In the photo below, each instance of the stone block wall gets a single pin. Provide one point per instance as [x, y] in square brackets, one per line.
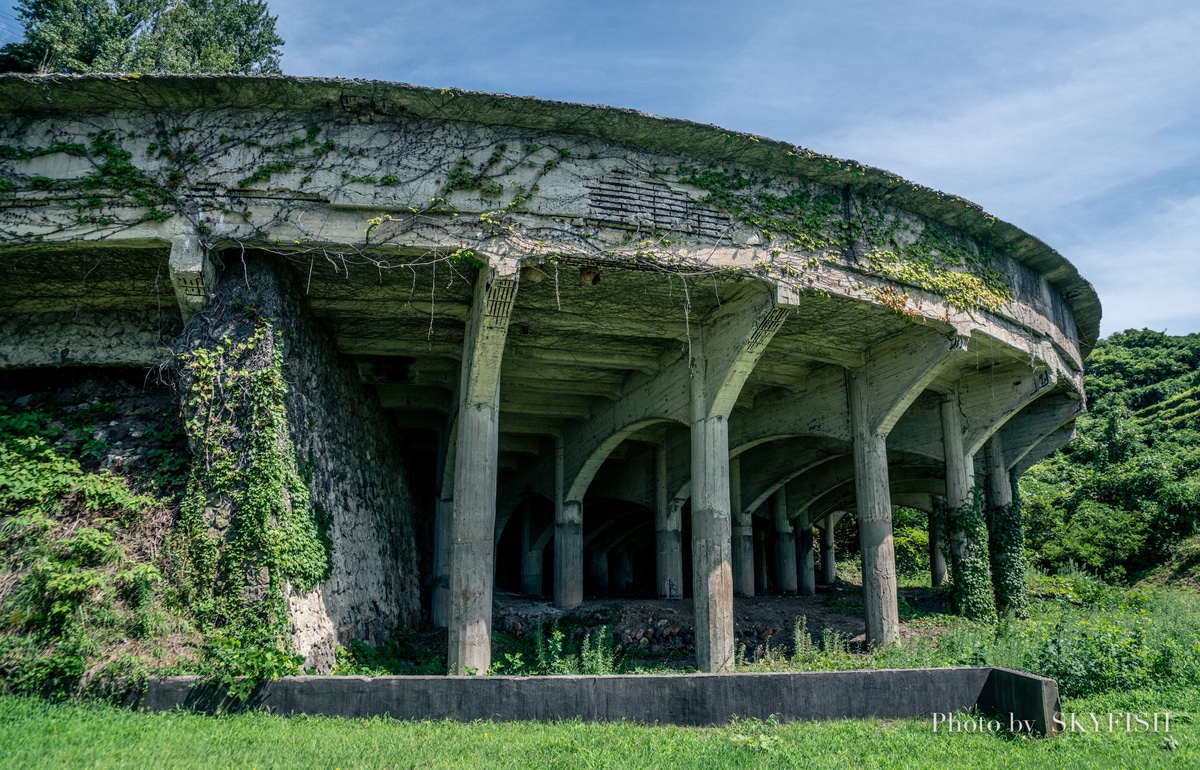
[346, 452]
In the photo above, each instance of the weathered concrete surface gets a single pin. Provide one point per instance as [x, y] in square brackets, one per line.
[686, 699]
[656, 311]
[369, 101]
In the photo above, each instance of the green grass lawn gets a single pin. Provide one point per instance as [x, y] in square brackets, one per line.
[35, 733]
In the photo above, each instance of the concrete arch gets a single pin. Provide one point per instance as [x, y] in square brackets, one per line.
[581, 478]
[808, 467]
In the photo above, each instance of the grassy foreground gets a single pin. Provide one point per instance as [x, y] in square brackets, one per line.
[35, 733]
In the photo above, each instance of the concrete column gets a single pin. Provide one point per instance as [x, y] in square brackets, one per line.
[760, 562]
[476, 462]
[972, 586]
[805, 562]
[568, 556]
[597, 571]
[471, 545]
[743, 534]
[669, 551]
[937, 539]
[531, 558]
[624, 576]
[668, 537]
[1006, 537]
[874, 517]
[828, 557]
[531, 573]
[723, 357]
[440, 610]
[785, 542]
[712, 568]
[960, 470]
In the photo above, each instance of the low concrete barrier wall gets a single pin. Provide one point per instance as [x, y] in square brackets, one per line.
[682, 699]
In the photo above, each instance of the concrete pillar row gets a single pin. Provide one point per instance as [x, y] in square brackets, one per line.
[743, 534]
[668, 535]
[785, 541]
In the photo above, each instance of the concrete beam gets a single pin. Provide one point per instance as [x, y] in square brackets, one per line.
[415, 398]
[554, 388]
[599, 359]
[990, 399]
[354, 345]
[193, 274]
[820, 411]
[898, 371]
[1045, 448]
[1032, 425]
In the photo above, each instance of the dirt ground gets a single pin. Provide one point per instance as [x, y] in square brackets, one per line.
[660, 632]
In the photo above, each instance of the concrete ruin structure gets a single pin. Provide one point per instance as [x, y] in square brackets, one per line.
[564, 350]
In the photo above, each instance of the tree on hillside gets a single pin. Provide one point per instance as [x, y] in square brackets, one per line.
[1123, 497]
[144, 36]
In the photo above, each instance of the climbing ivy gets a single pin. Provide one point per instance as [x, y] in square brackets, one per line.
[246, 524]
[941, 263]
[799, 218]
[970, 581]
[1007, 538]
[922, 254]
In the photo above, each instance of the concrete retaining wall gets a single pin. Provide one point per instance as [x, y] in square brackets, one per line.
[684, 699]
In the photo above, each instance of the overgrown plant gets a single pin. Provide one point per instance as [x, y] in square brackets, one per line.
[246, 528]
[1006, 535]
[80, 569]
[970, 578]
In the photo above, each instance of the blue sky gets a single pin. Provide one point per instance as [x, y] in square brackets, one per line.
[1077, 120]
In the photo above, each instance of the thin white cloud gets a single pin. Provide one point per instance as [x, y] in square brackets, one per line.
[1073, 119]
[1147, 273]
[1104, 112]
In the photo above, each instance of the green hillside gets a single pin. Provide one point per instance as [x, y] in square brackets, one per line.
[1123, 499]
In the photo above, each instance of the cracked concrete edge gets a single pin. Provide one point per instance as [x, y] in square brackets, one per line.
[682, 699]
